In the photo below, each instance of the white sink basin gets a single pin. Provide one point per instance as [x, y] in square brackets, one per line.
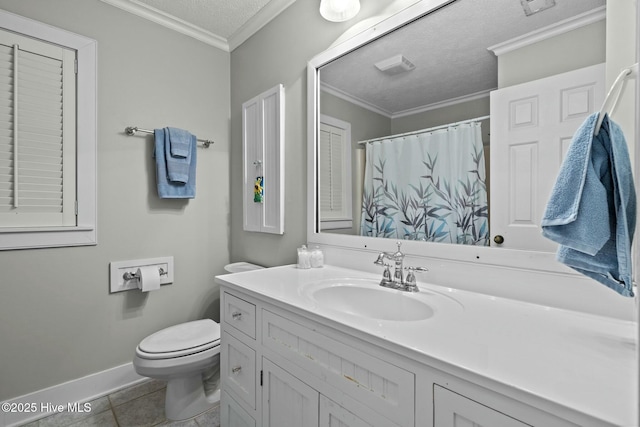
[365, 298]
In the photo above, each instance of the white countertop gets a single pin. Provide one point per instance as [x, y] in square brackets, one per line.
[578, 361]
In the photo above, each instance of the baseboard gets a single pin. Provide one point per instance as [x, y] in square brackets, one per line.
[72, 392]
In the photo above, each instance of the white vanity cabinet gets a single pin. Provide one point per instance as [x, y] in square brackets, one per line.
[282, 368]
[458, 403]
[454, 410]
[286, 401]
[232, 414]
[238, 403]
[278, 370]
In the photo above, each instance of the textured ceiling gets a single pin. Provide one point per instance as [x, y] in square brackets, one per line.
[220, 17]
[449, 49]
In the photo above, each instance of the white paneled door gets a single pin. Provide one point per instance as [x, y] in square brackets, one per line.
[532, 125]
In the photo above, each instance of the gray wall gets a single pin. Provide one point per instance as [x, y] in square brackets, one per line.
[445, 115]
[279, 53]
[58, 321]
[586, 45]
[365, 124]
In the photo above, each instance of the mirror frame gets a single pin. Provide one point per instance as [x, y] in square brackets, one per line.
[530, 260]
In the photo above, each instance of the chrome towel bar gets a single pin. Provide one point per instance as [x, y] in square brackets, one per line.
[131, 130]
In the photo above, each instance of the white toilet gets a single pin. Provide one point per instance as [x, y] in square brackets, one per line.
[187, 356]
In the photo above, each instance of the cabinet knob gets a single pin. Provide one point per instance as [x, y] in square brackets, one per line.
[236, 369]
[498, 239]
[236, 315]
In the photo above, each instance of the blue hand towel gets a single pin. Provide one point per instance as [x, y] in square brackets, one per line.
[180, 142]
[592, 209]
[168, 189]
[178, 154]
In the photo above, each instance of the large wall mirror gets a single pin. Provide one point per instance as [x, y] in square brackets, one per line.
[445, 126]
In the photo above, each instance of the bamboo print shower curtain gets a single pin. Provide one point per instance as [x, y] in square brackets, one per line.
[429, 186]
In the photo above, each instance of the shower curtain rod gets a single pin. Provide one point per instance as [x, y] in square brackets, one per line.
[415, 132]
[131, 130]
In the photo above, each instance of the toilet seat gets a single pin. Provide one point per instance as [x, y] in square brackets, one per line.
[180, 340]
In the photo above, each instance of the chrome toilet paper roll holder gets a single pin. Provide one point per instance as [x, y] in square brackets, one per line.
[134, 276]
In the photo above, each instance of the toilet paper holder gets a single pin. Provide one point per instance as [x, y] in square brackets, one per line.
[134, 276]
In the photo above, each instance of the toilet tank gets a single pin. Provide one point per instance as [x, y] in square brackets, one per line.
[239, 267]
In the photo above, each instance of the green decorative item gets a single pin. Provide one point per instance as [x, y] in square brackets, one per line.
[258, 190]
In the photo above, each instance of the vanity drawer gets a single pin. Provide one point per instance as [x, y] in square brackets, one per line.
[238, 369]
[240, 314]
[381, 386]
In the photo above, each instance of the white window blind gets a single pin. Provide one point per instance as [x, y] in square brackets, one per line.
[335, 173]
[331, 177]
[37, 133]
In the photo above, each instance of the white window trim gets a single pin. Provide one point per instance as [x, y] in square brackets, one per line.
[346, 221]
[84, 233]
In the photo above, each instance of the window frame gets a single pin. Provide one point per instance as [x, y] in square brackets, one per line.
[343, 220]
[85, 230]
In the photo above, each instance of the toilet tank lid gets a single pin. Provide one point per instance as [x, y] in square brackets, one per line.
[239, 267]
[181, 337]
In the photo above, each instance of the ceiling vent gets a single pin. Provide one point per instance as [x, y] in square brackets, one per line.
[534, 6]
[395, 65]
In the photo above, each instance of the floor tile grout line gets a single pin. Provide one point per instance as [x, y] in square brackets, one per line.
[112, 408]
[135, 398]
[113, 413]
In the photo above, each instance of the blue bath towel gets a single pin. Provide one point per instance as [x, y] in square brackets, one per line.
[592, 209]
[168, 189]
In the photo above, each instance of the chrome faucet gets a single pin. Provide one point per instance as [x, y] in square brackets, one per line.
[398, 281]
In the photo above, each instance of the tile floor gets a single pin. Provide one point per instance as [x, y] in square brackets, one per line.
[141, 405]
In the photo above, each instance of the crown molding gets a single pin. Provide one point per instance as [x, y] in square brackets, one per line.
[550, 31]
[169, 21]
[257, 21]
[252, 26]
[442, 104]
[395, 115]
[338, 93]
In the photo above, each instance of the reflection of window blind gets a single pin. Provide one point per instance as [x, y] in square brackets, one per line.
[331, 171]
[37, 133]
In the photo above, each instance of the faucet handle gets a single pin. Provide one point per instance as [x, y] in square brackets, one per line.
[410, 283]
[380, 259]
[386, 274]
[386, 280]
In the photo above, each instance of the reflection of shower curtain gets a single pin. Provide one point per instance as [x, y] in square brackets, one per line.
[428, 186]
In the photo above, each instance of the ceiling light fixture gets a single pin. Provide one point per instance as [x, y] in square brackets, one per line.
[339, 10]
